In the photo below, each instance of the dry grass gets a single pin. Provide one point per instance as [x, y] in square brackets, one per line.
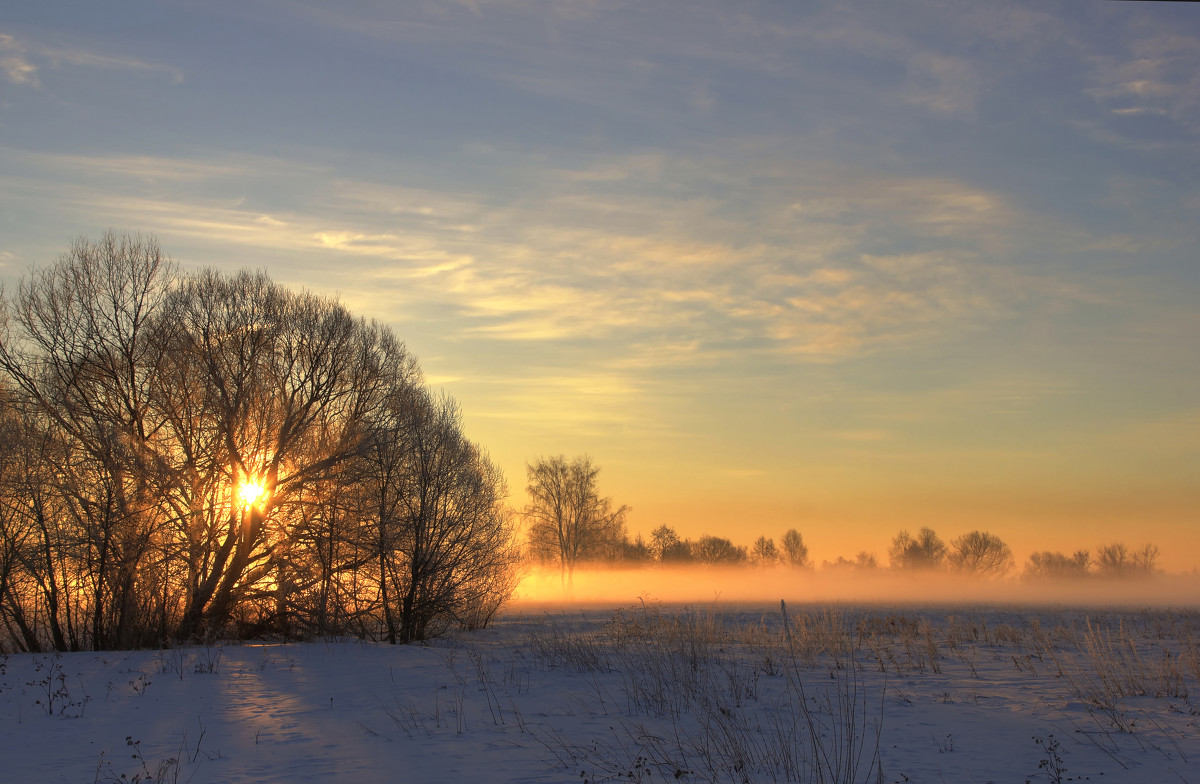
[733, 696]
[739, 702]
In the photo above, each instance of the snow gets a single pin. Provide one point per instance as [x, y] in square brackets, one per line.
[551, 694]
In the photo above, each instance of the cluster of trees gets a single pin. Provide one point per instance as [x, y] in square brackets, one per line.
[985, 554]
[1112, 560]
[570, 523]
[666, 547]
[186, 456]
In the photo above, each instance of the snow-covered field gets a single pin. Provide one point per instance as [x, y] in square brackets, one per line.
[644, 692]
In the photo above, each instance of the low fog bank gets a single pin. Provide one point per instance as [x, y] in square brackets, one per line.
[755, 585]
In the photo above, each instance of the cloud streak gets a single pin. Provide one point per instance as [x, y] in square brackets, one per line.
[22, 59]
[566, 263]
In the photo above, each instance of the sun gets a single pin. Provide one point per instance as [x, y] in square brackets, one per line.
[251, 493]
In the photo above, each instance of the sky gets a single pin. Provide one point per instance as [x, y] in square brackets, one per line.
[844, 268]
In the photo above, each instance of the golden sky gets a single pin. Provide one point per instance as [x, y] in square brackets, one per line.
[844, 269]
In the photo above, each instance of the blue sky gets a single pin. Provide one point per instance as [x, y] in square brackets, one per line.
[841, 267]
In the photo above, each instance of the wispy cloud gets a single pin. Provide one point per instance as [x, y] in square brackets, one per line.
[21, 60]
[143, 167]
[646, 59]
[1158, 73]
[676, 283]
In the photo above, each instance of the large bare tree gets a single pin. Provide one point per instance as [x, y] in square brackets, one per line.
[184, 452]
[80, 350]
[287, 381]
[445, 538]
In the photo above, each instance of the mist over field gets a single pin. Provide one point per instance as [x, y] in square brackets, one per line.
[700, 586]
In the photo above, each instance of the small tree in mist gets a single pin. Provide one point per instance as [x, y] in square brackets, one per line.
[764, 552]
[925, 552]
[795, 551]
[667, 547]
[981, 554]
[716, 550]
[1112, 560]
[1048, 565]
[568, 519]
[1145, 560]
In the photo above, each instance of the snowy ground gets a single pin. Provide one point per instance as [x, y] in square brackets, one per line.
[648, 693]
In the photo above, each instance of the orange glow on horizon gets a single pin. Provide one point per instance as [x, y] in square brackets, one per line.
[702, 585]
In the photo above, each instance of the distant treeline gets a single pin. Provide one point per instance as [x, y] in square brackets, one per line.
[185, 457]
[571, 524]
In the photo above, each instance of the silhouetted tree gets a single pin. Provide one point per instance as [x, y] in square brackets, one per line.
[980, 553]
[1117, 560]
[286, 384]
[447, 539]
[794, 549]
[1112, 560]
[80, 347]
[667, 547]
[1146, 559]
[568, 520]
[925, 552]
[716, 550]
[764, 552]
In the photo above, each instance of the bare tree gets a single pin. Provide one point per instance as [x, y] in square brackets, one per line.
[283, 385]
[981, 554]
[667, 547]
[1113, 560]
[764, 552]
[925, 552]
[17, 535]
[79, 346]
[568, 520]
[1117, 560]
[45, 561]
[1145, 560]
[794, 548]
[447, 553]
